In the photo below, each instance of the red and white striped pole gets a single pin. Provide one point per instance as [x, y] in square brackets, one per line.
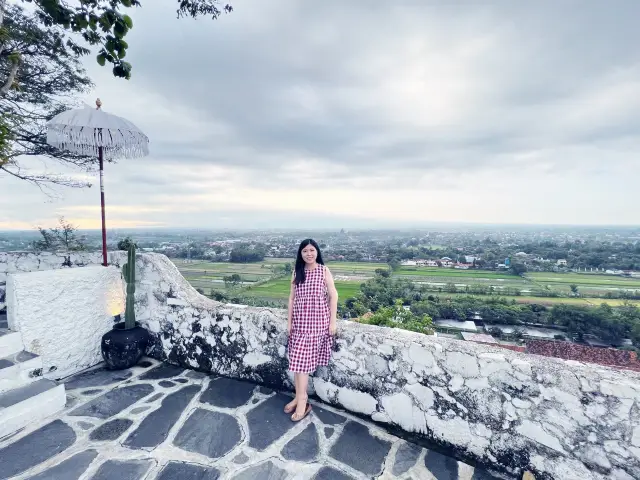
[104, 223]
[104, 226]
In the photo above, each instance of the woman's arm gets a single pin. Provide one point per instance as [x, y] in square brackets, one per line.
[333, 300]
[292, 295]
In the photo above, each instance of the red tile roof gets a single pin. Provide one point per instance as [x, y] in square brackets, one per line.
[610, 357]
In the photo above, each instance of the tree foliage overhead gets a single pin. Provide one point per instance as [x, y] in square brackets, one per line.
[40, 73]
[100, 22]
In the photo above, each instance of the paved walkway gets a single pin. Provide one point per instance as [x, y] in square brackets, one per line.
[157, 421]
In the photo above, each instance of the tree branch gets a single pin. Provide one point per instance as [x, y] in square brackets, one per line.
[11, 78]
[42, 181]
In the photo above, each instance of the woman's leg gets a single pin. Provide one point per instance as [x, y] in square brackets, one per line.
[292, 404]
[301, 395]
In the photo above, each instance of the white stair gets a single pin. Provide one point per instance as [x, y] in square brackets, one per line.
[10, 342]
[30, 403]
[25, 396]
[19, 369]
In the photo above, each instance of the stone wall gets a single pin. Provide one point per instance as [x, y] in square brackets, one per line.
[560, 419]
[16, 262]
[62, 314]
[508, 410]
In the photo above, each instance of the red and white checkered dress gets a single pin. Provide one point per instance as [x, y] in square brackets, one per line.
[310, 341]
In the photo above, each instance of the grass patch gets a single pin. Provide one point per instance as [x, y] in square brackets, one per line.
[279, 289]
[208, 275]
[584, 279]
[444, 272]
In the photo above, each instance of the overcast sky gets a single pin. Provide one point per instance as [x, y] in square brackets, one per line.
[342, 113]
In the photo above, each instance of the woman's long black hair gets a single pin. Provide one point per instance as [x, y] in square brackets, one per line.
[300, 263]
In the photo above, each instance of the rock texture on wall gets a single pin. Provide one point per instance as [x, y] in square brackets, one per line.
[508, 410]
[561, 420]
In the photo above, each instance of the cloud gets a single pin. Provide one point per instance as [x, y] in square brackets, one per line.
[412, 111]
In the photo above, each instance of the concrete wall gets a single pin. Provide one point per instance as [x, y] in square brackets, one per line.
[31, 262]
[62, 314]
[560, 419]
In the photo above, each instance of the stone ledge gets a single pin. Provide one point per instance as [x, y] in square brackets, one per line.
[496, 407]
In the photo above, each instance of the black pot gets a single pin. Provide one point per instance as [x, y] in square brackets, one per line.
[123, 348]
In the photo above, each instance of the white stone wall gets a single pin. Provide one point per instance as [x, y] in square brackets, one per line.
[562, 420]
[16, 262]
[62, 314]
[559, 419]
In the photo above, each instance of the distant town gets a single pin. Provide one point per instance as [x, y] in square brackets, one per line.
[589, 249]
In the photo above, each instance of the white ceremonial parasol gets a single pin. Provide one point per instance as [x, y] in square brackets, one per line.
[91, 131]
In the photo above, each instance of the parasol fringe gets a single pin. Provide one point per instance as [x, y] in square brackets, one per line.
[116, 143]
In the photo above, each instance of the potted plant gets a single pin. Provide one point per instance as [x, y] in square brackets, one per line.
[126, 343]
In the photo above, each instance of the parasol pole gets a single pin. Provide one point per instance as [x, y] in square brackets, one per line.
[104, 223]
[104, 227]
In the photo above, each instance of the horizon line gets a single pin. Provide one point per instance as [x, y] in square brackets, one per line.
[392, 227]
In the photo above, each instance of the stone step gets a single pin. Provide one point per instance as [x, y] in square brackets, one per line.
[10, 342]
[30, 404]
[19, 369]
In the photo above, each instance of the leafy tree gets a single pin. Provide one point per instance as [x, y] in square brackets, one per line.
[39, 75]
[285, 269]
[61, 238]
[394, 264]
[425, 307]
[231, 281]
[100, 22]
[635, 334]
[354, 307]
[219, 296]
[382, 272]
[247, 254]
[495, 332]
[397, 316]
[518, 268]
[574, 289]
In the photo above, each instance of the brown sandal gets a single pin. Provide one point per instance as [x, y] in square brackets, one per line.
[306, 412]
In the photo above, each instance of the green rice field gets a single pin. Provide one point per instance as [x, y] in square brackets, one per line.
[258, 281]
[452, 273]
[549, 278]
[279, 289]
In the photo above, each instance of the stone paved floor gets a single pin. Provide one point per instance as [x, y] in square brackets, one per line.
[157, 421]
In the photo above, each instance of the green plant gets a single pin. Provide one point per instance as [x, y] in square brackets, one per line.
[129, 273]
[125, 243]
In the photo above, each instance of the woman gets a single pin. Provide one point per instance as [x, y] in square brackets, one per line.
[313, 305]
